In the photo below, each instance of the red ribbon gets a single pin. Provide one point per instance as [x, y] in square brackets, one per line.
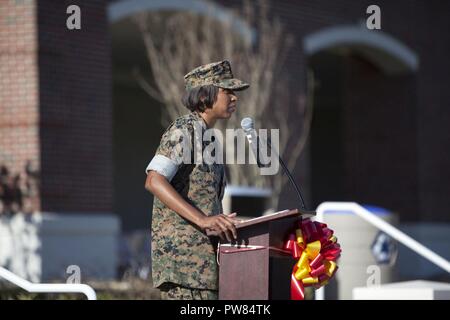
[317, 267]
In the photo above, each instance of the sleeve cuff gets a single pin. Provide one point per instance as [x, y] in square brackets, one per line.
[164, 166]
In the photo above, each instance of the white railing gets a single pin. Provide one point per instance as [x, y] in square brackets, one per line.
[383, 226]
[48, 287]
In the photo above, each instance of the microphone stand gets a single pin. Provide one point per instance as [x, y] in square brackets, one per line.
[286, 171]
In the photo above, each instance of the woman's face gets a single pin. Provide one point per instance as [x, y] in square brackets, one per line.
[225, 104]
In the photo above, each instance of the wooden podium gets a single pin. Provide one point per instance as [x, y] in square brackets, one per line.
[257, 267]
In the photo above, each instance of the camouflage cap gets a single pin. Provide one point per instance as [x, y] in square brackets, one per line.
[217, 73]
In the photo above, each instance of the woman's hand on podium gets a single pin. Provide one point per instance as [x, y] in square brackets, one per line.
[222, 225]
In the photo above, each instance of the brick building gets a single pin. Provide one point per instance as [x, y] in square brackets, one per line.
[379, 133]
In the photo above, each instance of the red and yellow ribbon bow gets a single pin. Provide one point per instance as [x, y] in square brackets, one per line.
[317, 250]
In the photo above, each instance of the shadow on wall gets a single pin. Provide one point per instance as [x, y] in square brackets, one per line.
[18, 191]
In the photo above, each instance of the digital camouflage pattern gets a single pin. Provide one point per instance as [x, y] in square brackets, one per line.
[216, 73]
[181, 252]
[175, 292]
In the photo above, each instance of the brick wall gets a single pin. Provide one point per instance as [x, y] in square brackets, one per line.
[55, 101]
[19, 100]
[75, 108]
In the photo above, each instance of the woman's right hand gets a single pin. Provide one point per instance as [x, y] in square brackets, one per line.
[222, 225]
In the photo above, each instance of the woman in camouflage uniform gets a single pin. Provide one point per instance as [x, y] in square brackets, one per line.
[188, 194]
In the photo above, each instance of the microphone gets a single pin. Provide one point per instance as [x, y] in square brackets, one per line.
[253, 139]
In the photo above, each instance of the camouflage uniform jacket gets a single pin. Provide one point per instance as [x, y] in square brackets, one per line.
[181, 252]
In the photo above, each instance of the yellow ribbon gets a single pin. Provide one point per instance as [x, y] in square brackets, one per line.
[309, 252]
[310, 280]
[313, 249]
[303, 267]
[299, 235]
[330, 266]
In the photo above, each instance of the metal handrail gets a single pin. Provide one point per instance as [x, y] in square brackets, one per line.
[383, 226]
[48, 287]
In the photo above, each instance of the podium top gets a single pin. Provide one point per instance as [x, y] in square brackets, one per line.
[276, 216]
[270, 217]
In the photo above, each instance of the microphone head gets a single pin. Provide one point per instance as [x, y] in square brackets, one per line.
[247, 124]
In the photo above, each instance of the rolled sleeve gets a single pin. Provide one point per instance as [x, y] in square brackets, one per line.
[173, 151]
[163, 165]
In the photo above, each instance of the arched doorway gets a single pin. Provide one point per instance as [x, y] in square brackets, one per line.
[136, 127]
[364, 129]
